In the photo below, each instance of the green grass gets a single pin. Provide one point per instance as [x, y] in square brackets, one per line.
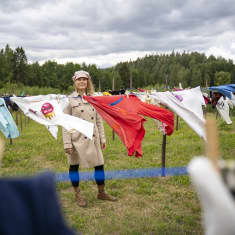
[163, 205]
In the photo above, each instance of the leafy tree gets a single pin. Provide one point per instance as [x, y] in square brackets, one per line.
[124, 73]
[233, 76]
[222, 78]
[34, 75]
[49, 74]
[156, 70]
[19, 66]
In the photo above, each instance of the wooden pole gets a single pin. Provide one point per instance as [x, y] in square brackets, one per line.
[99, 86]
[177, 122]
[1, 149]
[21, 124]
[212, 145]
[25, 121]
[131, 82]
[131, 79]
[113, 84]
[205, 111]
[9, 86]
[163, 155]
[11, 112]
[16, 117]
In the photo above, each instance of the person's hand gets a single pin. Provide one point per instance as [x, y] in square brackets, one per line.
[69, 151]
[103, 146]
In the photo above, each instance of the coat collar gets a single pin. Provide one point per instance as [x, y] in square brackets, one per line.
[75, 94]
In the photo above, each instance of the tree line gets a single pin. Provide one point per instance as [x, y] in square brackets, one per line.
[155, 70]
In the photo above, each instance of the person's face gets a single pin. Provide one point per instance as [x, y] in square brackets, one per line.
[81, 84]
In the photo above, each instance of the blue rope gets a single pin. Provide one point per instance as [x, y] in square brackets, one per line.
[126, 174]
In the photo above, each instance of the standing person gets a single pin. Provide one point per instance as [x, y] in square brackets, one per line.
[80, 150]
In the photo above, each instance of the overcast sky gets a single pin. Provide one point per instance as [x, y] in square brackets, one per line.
[105, 32]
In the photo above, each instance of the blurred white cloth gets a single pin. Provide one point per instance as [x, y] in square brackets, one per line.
[31, 106]
[218, 205]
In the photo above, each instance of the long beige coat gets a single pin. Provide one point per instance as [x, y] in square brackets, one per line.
[87, 153]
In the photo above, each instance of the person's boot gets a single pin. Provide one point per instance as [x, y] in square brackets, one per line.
[102, 195]
[79, 199]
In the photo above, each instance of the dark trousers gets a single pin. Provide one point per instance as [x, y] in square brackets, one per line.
[75, 179]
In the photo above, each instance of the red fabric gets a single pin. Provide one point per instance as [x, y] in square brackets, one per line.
[129, 126]
[141, 90]
[177, 89]
[122, 113]
[135, 105]
[206, 99]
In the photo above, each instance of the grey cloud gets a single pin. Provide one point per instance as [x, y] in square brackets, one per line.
[11, 6]
[84, 28]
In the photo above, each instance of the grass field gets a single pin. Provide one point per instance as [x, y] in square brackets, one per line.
[161, 205]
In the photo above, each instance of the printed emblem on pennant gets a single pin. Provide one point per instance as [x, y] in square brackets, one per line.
[48, 110]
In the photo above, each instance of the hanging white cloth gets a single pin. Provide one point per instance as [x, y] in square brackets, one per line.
[48, 110]
[223, 109]
[231, 102]
[217, 203]
[187, 104]
[180, 86]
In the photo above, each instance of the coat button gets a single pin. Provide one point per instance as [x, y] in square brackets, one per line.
[92, 118]
[93, 135]
[85, 137]
[93, 110]
[82, 111]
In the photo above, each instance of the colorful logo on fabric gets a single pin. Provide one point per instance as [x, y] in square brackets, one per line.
[48, 110]
[179, 97]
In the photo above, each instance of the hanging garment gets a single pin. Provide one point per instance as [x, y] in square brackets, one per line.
[180, 86]
[98, 93]
[10, 105]
[132, 104]
[145, 98]
[206, 98]
[30, 206]
[187, 104]
[7, 123]
[123, 110]
[226, 90]
[117, 92]
[218, 206]
[48, 110]
[128, 125]
[223, 109]
[232, 101]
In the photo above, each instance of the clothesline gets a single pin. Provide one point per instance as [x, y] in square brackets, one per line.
[184, 109]
[187, 104]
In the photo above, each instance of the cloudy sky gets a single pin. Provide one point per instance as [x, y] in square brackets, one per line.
[105, 32]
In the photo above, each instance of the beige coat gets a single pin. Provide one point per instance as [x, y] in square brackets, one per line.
[87, 153]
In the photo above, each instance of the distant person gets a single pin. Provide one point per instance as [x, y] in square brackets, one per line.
[80, 150]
